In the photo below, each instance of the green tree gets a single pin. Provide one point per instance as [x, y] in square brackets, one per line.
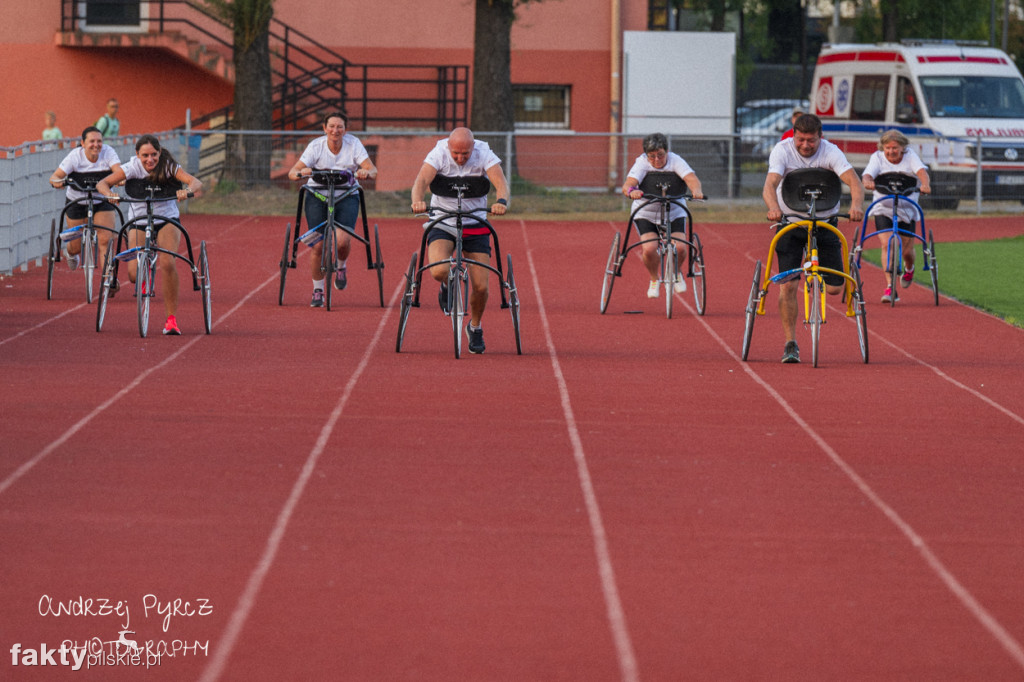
[248, 156]
[896, 20]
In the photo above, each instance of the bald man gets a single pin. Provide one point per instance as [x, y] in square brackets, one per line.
[460, 155]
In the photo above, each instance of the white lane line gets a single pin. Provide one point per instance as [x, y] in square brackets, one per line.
[80, 305]
[246, 602]
[128, 388]
[613, 604]
[1005, 639]
[45, 322]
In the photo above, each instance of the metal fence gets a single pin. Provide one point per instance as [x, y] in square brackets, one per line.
[539, 163]
[28, 203]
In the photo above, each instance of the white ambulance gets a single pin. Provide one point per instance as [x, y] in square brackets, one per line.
[946, 97]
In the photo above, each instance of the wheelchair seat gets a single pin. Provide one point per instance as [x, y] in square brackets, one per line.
[472, 186]
[139, 189]
[337, 177]
[804, 186]
[666, 184]
[895, 183]
[87, 180]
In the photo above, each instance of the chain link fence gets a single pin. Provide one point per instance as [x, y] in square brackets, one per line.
[550, 172]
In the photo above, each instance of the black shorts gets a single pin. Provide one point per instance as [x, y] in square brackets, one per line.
[790, 251]
[79, 211]
[884, 222]
[647, 227]
[471, 243]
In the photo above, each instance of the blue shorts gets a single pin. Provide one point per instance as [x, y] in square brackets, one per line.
[473, 243]
[346, 211]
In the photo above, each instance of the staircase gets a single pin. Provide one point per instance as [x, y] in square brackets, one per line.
[307, 77]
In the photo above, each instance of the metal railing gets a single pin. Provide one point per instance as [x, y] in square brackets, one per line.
[553, 168]
[308, 77]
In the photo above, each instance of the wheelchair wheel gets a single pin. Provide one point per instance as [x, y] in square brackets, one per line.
[814, 283]
[700, 287]
[609, 272]
[513, 304]
[144, 288]
[753, 300]
[407, 298]
[329, 263]
[284, 264]
[89, 260]
[668, 276]
[932, 267]
[457, 307]
[379, 263]
[861, 317]
[204, 274]
[51, 259]
[106, 280]
[893, 266]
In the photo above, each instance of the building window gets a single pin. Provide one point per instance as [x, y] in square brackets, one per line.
[870, 93]
[541, 106]
[659, 15]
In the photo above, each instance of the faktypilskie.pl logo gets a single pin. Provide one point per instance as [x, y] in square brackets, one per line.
[126, 649]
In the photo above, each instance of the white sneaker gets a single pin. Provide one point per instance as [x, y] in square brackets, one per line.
[652, 290]
[680, 284]
[73, 261]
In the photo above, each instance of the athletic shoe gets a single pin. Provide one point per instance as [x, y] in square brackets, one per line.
[341, 278]
[73, 261]
[791, 353]
[680, 284]
[442, 298]
[476, 339]
[887, 295]
[171, 328]
[318, 299]
[908, 277]
[652, 289]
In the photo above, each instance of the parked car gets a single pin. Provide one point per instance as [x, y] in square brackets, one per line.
[761, 123]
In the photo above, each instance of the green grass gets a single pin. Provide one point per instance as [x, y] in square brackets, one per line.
[986, 275]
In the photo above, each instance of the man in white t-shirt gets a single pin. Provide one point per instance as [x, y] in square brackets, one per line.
[460, 155]
[806, 149]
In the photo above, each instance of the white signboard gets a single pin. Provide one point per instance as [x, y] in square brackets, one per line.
[678, 82]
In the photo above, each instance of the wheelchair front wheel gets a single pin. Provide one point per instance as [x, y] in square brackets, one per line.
[753, 300]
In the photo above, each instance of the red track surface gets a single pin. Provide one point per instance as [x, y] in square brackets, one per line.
[627, 500]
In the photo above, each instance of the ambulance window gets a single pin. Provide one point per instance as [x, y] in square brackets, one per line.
[907, 110]
[869, 97]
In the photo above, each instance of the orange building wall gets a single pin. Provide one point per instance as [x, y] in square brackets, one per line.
[563, 42]
[153, 88]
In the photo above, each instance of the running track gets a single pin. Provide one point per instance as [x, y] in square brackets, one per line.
[626, 501]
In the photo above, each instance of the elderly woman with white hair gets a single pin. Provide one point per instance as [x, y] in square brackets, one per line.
[893, 156]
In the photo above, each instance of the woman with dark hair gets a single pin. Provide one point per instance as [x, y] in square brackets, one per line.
[91, 157]
[334, 150]
[155, 164]
[656, 157]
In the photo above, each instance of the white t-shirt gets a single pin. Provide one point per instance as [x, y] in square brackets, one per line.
[481, 160]
[319, 156]
[77, 162]
[168, 208]
[785, 158]
[910, 164]
[641, 167]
